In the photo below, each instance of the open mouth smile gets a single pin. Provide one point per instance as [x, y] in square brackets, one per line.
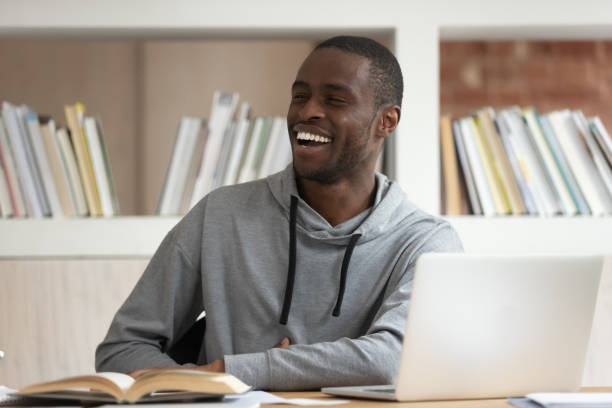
[311, 139]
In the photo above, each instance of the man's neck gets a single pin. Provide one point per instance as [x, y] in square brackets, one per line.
[340, 201]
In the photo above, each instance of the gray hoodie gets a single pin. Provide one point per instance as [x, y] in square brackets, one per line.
[264, 265]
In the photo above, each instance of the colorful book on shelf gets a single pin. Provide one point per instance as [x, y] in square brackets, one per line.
[41, 158]
[195, 161]
[262, 145]
[183, 155]
[480, 180]
[568, 205]
[497, 190]
[466, 172]
[561, 160]
[83, 158]
[99, 164]
[10, 173]
[247, 172]
[70, 166]
[602, 137]
[226, 146]
[580, 161]
[6, 205]
[229, 141]
[450, 168]
[546, 202]
[597, 156]
[222, 111]
[509, 188]
[499, 159]
[107, 166]
[240, 144]
[284, 156]
[517, 169]
[31, 143]
[58, 172]
[275, 148]
[23, 160]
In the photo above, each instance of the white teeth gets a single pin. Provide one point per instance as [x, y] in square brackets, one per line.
[309, 136]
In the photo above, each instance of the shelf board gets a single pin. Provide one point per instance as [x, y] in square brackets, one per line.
[584, 235]
[140, 236]
[572, 32]
[83, 237]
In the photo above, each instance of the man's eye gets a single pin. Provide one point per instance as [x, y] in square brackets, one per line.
[298, 97]
[336, 101]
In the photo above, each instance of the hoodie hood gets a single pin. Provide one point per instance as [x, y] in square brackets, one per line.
[390, 210]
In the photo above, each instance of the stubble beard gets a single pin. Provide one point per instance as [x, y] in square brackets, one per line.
[346, 163]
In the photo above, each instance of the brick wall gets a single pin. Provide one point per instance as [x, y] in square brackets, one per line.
[546, 74]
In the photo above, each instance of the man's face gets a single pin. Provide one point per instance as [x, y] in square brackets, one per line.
[332, 101]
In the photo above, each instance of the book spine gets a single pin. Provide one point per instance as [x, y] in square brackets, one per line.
[449, 168]
[517, 169]
[48, 183]
[15, 191]
[568, 206]
[59, 176]
[510, 188]
[499, 196]
[71, 168]
[486, 198]
[99, 169]
[83, 161]
[597, 158]
[109, 173]
[472, 193]
[562, 163]
[24, 171]
[579, 160]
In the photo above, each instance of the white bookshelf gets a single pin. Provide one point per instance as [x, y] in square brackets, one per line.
[416, 29]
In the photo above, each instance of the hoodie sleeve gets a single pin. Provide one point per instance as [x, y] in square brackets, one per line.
[162, 306]
[370, 359]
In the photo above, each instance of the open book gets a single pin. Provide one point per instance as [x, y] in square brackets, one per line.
[162, 385]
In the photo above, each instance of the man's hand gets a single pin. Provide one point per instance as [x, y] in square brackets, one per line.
[217, 366]
[284, 343]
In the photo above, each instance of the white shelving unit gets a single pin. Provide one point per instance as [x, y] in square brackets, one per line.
[416, 29]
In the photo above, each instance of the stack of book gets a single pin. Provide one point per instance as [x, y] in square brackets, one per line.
[516, 161]
[228, 148]
[53, 172]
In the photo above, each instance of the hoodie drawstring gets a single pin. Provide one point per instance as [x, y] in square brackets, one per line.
[292, 260]
[291, 270]
[344, 271]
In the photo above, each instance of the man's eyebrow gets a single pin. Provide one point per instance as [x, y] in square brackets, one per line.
[338, 87]
[300, 84]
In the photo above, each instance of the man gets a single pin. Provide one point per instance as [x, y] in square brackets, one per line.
[318, 257]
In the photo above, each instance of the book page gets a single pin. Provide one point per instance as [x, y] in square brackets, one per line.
[123, 381]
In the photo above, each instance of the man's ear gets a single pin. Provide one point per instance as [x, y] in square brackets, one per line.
[388, 120]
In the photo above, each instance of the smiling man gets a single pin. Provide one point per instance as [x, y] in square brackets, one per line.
[317, 260]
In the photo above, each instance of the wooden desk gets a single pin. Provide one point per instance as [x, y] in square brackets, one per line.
[361, 403]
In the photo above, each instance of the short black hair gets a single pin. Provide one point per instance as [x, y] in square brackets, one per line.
[385, 72]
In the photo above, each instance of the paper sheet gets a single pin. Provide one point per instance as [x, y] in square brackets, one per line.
[570, 399]
[267, 398]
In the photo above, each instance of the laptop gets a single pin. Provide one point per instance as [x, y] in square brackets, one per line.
[493, 326]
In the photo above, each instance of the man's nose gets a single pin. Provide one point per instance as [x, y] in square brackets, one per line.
[311, 110]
